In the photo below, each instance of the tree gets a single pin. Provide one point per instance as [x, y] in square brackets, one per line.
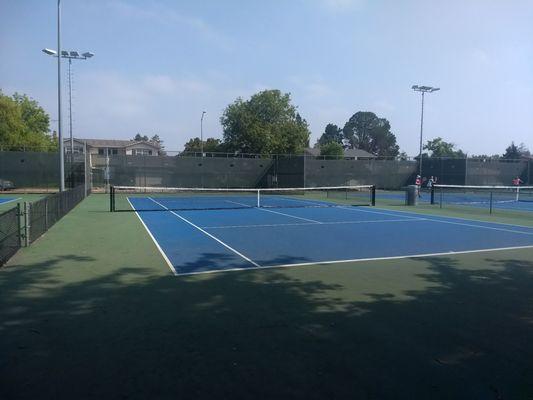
[403, 156]
[211, 145]
[366, 131]
[514, 152]
[141, 138]
[440, 148]
[332, 149]
[159, 143]
[267, 123]
[24, 124]
[332, 133]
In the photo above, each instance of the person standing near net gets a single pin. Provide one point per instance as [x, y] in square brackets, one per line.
[430, 183]
[418, 184]
[517, 181]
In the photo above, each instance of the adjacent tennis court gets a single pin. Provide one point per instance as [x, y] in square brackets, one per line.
[5, 200]
[311, 232]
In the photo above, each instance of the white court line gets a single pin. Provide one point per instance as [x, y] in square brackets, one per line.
[450, 253]
[322, 223]
[208, 234]
[450, 217]
[276, 212]
[154, 240]
[435, 218]
[9, 201]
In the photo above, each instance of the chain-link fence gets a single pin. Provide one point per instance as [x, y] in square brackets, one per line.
[43, 213]
[10, 238]
[34, 170]
[38, 171]
[25, 223]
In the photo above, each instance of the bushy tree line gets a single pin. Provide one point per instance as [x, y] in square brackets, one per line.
[24, 124]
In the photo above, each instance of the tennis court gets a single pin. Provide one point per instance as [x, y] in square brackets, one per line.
[305, 232]
[5, 200]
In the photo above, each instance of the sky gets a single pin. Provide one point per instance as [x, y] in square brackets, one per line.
[158, 64]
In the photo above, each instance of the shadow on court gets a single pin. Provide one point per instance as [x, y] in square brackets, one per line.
[439, 328]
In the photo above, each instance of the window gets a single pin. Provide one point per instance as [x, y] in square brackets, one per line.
[141, 152]
[101, 152]
[77, 149]
[114, 151]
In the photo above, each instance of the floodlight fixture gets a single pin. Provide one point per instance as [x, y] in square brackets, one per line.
[74, 54]
[50, 52]
[88, 54]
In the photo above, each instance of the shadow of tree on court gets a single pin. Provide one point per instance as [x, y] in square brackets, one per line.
[440, 328]
[220, 261]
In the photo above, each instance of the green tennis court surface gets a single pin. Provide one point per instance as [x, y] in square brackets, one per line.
[92, 311]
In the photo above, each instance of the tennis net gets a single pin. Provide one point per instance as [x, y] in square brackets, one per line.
[131, 198]
[482, 196]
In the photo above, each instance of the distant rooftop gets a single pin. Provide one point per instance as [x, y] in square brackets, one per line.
[113, 142]
[352, 153]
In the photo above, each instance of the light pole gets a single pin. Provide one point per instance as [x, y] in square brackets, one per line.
[70, 55]
[423, 90]
[202, 133]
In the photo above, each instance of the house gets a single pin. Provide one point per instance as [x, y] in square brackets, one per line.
[352, 154]
[114, 147]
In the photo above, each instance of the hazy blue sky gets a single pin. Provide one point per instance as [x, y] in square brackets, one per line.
[158, 64]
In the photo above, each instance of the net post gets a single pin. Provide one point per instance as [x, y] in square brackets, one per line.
[258, 198]
[432, 195]
[111, 199]
[373, 195]
[490, 206]
[20, 234]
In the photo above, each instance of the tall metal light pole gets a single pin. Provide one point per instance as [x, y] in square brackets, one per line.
[423, 90]
[70, 55]
[59, 125]
[202, 133]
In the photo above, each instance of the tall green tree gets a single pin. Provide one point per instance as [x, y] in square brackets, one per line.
[332, 149]
[24, 124]
[440, 148]
[366, 131]
[267, 123]
[211, 145]
[141, 138]
[332, 133]
[514, 152]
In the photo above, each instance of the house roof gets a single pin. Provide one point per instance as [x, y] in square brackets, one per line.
[357, 153]
[347, 152]
[113, 143]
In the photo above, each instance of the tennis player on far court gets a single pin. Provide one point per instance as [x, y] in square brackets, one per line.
[418, 184]
[517, 181]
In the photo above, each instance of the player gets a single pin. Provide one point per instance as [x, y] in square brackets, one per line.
[517, 181]
[418, 183]
[430, 183]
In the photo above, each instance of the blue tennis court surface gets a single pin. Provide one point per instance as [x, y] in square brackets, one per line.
[4, 200]
[202, 241]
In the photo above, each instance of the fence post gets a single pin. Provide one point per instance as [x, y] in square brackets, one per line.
[20, 233]
[45, 215]
[27, 222]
